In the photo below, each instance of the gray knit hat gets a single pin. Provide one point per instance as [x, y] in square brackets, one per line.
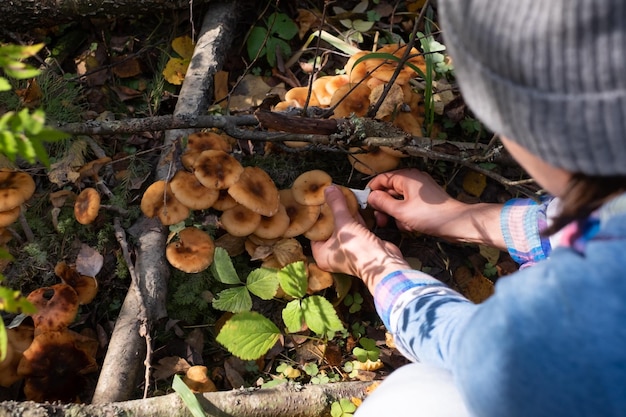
[548, 74]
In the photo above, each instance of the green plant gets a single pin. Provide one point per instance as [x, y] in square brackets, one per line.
[368, 350]
[342, 408]
[354, 302]
[357, 26]
[272, 39]
[249, 334]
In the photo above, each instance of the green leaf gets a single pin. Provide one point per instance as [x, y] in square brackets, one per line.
[276, 46]
[188, 397]
[248, 335]
[222, 267]
[293, 316]
[320, 315]
[5, 85]
[281, 25]
[4, 341]
[293, 279]
[256, 42]
[234, 300]
[8, 145]
[263, 282]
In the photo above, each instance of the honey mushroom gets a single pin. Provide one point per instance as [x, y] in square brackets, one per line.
[373, 161]
[191, 193]
[275, 226]
[217, 169]
[350, 99]
[301, 217]
[240, 220]
[193, 252]
[308, 187]
[57, 307]
[86, 287]
[256, 190]
[15, 188]
[323, 227]
[159, 201]
[87, 205]
[203, 141]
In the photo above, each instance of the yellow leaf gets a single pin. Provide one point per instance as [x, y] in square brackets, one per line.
[474, 183]
[183, 46]
[176, 68]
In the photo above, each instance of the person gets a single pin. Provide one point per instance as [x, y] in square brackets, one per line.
[550, 79]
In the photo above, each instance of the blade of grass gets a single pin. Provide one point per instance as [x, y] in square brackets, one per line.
[188, 397]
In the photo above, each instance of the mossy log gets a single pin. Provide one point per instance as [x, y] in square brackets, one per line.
[284, 400]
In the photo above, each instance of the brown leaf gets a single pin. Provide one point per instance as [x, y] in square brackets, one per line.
[89, 261]
[220, 85]
[306, 20]
[125, 67]
[169, 366]
[233, 373]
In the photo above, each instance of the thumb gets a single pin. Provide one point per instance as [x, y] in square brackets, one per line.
[383, 202]
[337, 202]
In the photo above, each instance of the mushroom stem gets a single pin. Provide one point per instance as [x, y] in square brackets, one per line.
[30, 237]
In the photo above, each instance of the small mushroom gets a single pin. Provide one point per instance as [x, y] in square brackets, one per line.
[92, 168]
[296, 97]
[372, 162]
[57, 307]
[323, 227]
[240, 220]
[203, 141]
[217, 169]
[54, 366]
[275, 226]
[197, 380]
[87, 205]
[10, 216]
[189, 191]
[308, 187]
[257, 191]
[86, 287]
[301, 217]
[350, 99]
[15, 188]
[193, 252]
[383, 70]
[158, 200]
[318, 279]
[358, 72]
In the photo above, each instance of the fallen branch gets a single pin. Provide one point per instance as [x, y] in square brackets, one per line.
[284, 400]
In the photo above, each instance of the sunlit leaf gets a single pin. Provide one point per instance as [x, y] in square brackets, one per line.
[320, 315]
[234, 300]
[263, 282]
[293, 316]
[293, 279]
[222, 267]
[248, 335]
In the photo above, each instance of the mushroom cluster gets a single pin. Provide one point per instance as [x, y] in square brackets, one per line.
[252, 210]
[364, 79]
[51, 358]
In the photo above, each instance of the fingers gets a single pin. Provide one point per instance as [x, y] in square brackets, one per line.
[382, 201]
[337, 202]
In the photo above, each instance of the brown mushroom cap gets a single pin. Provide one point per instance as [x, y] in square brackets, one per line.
[217, 169]
[372, 162]
[197, 380]
[86, 287]
[385, 71]
[203, 141]
[158, 200]
[240, 220]
[358, 72]
[323, 227]
[257, 191]
[56, 306]
[87, 205]
[10, 216]
[301, 217]
[275, 226]
[351, 99]
[296, 97]
[189, 191]
[318, 279]
[224, 201]
[308, 188]
[15, 188]
[92, 168]
[54, 366]
[193, 252]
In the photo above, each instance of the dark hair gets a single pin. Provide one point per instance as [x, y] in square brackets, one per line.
[585, 194]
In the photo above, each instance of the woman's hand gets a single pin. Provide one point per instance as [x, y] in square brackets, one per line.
[419, 204]
[353, 249]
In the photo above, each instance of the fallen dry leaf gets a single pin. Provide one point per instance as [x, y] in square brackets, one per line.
[89, 261]
[169, 366]
[176, 68]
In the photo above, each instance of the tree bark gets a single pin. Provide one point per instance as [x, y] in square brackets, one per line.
[145, 301]
[284, 400]
[20, 14]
